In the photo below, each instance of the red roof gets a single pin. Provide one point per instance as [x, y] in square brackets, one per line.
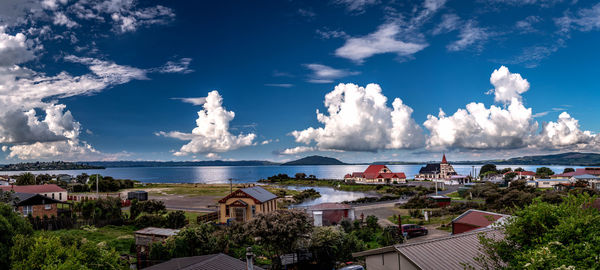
[530, 173]
[329, 206]
[391, 175]
[444, 161]
[34, 188]
[478, 218]
[375, 169]
[348, 176]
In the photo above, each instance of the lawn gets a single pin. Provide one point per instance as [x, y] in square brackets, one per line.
[200, 189]
[120, 238]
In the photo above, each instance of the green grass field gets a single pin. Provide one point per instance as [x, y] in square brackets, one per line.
[118, 237]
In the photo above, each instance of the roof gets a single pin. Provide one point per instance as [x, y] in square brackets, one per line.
[522, 173]
[33, 199]
[375, 169]
[218, 261]
[451, 252]
[430, 168]
[444, 161]
[391, 175]
[157, 231]
[585, 176]
[34, 188]
[478, 218]
[329, 206]
[259, 193]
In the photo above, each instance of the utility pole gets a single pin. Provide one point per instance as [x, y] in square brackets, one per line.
[97, 179]
[230, 185]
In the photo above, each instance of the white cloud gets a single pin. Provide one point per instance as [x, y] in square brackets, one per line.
[14, 49]
[360, 120]
[327, 74]
[181, 66]
[526, 25]
[450, 22]
[283, 85]
[384, 40]
[212, 132]
[62, 19]
[356, 5]
[328, 34]
[195, 101]
[586, 19]
[509, 127]
[507, 85]
[470, 35]
[297, 150]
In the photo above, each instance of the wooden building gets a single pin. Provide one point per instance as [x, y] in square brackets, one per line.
[144, 239]
[376, 174]
[245, 203]
[436, 171]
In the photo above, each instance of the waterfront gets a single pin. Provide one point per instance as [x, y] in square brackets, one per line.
[250, 174]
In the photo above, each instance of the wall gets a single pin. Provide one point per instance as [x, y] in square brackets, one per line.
[61, 196]
[266, 207]
[384, 261]
[40, 210]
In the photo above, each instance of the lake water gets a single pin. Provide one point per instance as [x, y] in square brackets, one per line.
[330, 195]
[249, 174]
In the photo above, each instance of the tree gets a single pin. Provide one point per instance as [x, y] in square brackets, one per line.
[26, 178]
[509, 177]
[43, 178]
[547, 236]
[505, 170]
[82, 178]
[300, 176]
[519, 169]
[568, 170]
[488, 168]
[193, 241]
[544, 172]
[50, 252]
[280, 231]
[175, 220]
[11, 225]
[326, 244]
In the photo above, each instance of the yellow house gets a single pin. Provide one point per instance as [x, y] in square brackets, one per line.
[245, 203]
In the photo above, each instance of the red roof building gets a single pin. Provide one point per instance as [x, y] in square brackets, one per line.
[474, 219]
[580, 171]
[50, 190]
[376, 174]
[328, 214]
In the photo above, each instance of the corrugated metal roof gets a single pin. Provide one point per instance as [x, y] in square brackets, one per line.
[157, 231]
[218, 261]
[259, 193]
[448, 253]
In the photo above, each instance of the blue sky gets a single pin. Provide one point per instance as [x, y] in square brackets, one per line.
[126, 80]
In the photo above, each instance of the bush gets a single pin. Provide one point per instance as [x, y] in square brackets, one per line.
[175, 220]
[144, 221]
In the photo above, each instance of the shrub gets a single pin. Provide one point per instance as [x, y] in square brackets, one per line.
[175, 220]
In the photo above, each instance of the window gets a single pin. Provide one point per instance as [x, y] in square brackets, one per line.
[253, 210]
[47, 206]
[60, 196]
[27, 210]
[52, 195]
[227, 210]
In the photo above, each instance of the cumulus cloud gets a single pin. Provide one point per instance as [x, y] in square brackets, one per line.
[14, 49]
[509, 126]
[212, 133]
[297, 150]
[360, 120]
[384, 40]
[327, 74]
[62, 19]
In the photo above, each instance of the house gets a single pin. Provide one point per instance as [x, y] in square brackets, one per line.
[453, 252]
[376, 174]
[218, 261]
[547, 183]
[474, 219]
[36, 205]
[595, 171]
[65, 178]
[442, 201]
[327, 214]
[144, 239]
[592, 181]
[245, 203]
[436, 171]
[50, 190]
[526, 175]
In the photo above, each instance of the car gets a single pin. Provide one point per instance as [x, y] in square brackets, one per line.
[412, 230]
[353, 267]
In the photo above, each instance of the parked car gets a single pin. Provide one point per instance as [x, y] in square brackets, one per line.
[413, 230]
[353, 267]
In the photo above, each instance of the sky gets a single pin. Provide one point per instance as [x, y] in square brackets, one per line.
[359, 80]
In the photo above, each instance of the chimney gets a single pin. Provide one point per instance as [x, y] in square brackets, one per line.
[249, 259]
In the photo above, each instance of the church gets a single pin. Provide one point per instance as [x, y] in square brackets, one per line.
[436, 171]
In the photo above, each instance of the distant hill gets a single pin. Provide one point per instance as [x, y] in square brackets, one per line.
[116, 164]
[52, 165]
[315, 160]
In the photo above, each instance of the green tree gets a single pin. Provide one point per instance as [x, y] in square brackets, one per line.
[11, 225]
[49, 252]
[488, 168]
[505, 170]
[544, 172]
[175, 219]
[509, 177]
[547, 236]
[193, 241]
[82, 178]
[26, 178]
[326, 245]
[300, 176]
[519, 169]
[568, 170]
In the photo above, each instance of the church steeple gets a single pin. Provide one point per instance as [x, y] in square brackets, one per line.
[444, 161]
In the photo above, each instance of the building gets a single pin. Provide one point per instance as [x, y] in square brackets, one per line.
[328, 214]
[454, 252]
[440, 200]
[595, 171]
[376, 174]
[436, 171]
[140, 195]
[36, 205]
[474, 219]
[547, 183]
[144, 239]
[244, 204]
[525, 175]
[218, 261]
[49, 190]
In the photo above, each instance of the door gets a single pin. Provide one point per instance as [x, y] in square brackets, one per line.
[240, 214]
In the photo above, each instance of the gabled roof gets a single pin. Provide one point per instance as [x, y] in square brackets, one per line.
[529, 173]
[259, 194]
[430, 168]
[444, 161]
[585, 176]
[374, 169]
[157, 231]
[451, 252]
[218, 261]
[478, 218]
[391, 175]
[34, 188]
[33, 199]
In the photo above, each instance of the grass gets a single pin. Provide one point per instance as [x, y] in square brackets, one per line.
[118, 237]
[336, 184]
[455, 196]
[216, 190]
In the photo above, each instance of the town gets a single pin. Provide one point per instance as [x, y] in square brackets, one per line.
[263, 226]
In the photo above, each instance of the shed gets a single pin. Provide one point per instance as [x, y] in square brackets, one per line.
[442, 201]
[218, 261]
[474, 219]
[327, 214]
[140, 195]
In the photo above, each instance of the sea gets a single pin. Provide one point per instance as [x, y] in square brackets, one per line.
[251, 174]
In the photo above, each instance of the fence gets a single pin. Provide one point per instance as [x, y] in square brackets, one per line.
[212, 216]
